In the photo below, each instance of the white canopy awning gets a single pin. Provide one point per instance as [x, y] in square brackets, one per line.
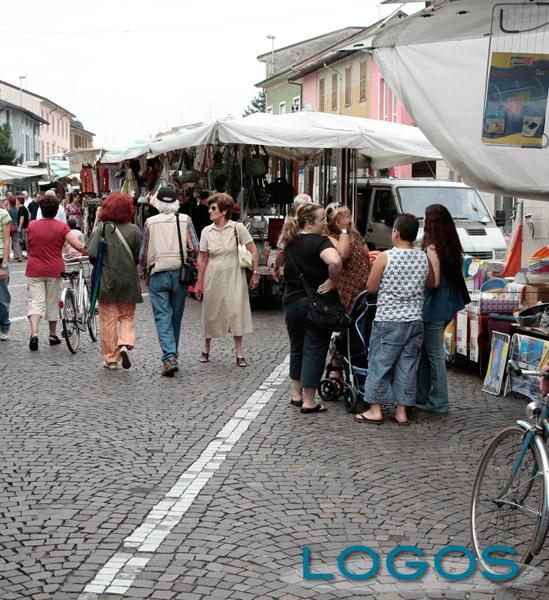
[9, 173]
[301, 134]
[134, 150]
[436, 63]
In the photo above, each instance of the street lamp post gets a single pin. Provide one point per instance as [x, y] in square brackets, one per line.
[272, 38]
[21, 77]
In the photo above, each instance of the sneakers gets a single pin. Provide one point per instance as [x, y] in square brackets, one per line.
[170, 367]
[125, 356]
[4, 337]
[111, 366]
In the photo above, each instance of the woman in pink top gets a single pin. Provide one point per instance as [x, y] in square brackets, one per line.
[45, 241]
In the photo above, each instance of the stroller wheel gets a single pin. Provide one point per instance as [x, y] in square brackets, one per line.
[350, 398]
[340, 386]
[328, 390]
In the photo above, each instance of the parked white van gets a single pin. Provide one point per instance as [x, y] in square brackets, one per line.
[379, 201]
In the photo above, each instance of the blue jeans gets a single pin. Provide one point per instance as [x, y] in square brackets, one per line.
[5, 299]
[308, 345]
[432, 389]
[168, 303]
[393, 358]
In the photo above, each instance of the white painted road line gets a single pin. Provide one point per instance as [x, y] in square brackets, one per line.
[121, 570]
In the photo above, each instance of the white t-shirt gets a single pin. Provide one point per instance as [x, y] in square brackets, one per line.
[60, 216]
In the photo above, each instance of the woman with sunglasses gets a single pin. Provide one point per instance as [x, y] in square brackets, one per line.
[226, 307]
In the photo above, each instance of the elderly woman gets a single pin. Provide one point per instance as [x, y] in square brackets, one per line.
[45, 241]
[119, 287]
[226, 306]
[160, 261]
[307, 252]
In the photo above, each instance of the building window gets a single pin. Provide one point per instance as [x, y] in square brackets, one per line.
[395, 111]
[363, 81]
[42, 151]
[321, 95]
[381, 107]
[348, 85]
[334, 91]
[296, 104]
[282, 108]
[48, 149]
[270, 110]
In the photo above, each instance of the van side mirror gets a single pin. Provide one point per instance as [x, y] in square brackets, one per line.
[501, 217]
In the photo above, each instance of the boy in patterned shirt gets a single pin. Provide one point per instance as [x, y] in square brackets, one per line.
[398, 276]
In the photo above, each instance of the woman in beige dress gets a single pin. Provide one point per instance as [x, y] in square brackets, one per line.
[226, 306]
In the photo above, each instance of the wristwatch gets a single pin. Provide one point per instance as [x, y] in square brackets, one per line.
[256, 272]
[344, 231]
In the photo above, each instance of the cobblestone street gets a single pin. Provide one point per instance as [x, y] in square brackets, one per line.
[124, 484]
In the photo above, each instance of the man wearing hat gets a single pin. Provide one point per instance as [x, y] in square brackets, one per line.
[160, 261]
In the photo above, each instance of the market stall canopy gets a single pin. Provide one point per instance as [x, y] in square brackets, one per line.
[134, 150]
[84, 156]
[441, 61]
[59, 169]
[300, 135]
[9, 173]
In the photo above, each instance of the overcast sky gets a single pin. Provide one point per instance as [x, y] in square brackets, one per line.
[129, 69]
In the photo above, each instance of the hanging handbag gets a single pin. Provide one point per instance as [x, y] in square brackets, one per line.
[328, 313]
[244, 255]
[187, 273]
[255, 165]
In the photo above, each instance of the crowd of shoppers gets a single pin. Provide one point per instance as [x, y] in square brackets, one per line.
[418, 290]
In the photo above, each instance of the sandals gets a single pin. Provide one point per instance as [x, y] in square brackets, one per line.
[33, 343]
[407, 422]
[241, 361]
[204, 357]
[316, 409]
[360, 418]
[53, 340]
[298, 403]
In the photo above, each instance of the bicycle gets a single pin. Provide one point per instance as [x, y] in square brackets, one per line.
[74, 305]
[510, 500]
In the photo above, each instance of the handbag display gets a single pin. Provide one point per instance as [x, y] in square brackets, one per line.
[255, 165]
[244, 255]
[322, 312]
[187, 273]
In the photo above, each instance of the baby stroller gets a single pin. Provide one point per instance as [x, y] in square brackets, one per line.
[350, 349]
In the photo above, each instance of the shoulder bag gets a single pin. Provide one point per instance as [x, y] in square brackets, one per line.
[244, 255]
[187, 273]
[322, 312]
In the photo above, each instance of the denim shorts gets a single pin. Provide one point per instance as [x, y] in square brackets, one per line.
[393, 358]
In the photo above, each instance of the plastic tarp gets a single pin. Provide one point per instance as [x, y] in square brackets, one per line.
[437, 65]
[9, 173]
[300, 135]
[135, 150]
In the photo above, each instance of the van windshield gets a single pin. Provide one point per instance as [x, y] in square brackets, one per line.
[463, 203]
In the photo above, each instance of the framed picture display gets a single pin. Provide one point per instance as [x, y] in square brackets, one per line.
[499, 351]
[531, 354]
[474, 332]
[461, 332]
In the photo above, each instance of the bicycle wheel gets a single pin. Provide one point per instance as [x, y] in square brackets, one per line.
[69, 320]
[507, 509]
[91, 320]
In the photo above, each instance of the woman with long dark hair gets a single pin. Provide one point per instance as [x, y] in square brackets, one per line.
[443, 248]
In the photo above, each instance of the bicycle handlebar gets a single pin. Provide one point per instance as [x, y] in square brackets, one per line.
[517, 371]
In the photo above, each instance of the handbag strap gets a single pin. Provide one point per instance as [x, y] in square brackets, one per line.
[123, 240]
[236, 234]
[181, 252]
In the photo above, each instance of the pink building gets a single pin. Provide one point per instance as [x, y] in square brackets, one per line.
[55, 137]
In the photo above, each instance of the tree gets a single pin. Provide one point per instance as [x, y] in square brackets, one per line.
[258, 104]
[8, 156]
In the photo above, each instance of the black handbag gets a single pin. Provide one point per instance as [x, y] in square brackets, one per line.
[328, 313]
[187, 274]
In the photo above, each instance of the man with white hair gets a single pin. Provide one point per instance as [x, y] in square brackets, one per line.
[169, 239]
[60, 216]
[300, 200]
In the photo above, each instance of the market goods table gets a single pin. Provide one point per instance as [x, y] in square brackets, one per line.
[124, 484]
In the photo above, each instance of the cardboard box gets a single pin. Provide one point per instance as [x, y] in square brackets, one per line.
[535, 293]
